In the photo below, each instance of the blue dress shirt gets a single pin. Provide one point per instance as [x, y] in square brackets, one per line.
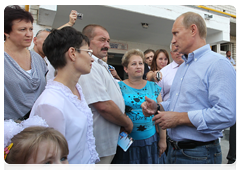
[205, 87]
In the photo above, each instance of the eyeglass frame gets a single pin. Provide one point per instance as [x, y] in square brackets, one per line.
[90, 52]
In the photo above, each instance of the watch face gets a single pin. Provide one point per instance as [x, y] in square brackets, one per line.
[158, 109]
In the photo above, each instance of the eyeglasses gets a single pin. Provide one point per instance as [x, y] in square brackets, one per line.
[88, 51]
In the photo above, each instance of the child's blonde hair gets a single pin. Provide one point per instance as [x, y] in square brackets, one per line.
[25, 144]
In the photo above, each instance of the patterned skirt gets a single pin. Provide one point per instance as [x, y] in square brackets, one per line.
[141, 152]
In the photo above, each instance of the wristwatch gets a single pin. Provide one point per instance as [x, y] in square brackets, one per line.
[158, 108]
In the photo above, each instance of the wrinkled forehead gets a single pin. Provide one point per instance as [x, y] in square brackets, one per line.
[100, 33]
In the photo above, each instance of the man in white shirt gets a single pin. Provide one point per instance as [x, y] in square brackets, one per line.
[169, 71]
[103, 96]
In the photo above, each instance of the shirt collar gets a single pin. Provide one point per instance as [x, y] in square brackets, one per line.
[195, 55]
[174, 64]
[99, 61]
[95, 58]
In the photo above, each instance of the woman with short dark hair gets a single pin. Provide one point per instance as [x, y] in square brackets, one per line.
[62, 103]
[24, 70]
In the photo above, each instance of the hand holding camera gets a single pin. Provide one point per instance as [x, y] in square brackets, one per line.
[159, 76]
[74, 15]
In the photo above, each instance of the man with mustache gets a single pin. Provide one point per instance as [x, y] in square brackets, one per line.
[103, 96]
[202, 98]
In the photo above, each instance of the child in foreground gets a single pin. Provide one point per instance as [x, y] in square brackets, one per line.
[33, 142]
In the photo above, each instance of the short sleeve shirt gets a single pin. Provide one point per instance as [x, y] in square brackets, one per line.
[143, 127]
[99, 85]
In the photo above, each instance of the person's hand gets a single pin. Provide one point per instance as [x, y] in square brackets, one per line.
[149, 107]
[72, 20]
[72, 17]
[162, 146]
[152, 76]
[167, 119]
[129, 126]
[155, 76]
[115, 74]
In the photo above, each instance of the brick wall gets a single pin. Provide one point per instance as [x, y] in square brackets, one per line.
[34, 11]
[224, 8]
[231, 10]
[234, 40]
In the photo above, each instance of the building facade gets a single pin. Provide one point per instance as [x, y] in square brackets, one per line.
[141, 26]
[231, 45]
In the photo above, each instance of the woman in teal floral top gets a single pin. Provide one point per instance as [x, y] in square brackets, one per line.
[149, 145]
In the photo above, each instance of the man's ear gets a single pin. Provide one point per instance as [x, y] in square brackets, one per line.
[194, 29]
[71, 54]
[34, 40]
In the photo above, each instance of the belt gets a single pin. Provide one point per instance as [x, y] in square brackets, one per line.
[188, 145]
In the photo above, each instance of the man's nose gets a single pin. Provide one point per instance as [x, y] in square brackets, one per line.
[107, 44]
[173, 40]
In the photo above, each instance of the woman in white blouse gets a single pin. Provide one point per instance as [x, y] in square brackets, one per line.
[62, 103]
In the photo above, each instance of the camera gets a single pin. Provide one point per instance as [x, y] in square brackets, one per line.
[158, 75]
[79, 16]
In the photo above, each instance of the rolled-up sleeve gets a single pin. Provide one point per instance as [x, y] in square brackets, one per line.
[221, 83]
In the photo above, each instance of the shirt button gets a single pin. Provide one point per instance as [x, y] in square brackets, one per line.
[176, 94]
[181, 79]
[195, 59]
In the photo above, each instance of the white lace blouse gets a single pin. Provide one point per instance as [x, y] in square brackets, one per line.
[63, 111]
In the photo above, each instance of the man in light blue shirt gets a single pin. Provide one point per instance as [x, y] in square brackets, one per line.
[202, 98]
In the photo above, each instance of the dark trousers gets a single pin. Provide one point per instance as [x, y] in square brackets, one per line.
[232, 145]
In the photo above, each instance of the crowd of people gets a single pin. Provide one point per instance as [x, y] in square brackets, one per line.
[64, 104]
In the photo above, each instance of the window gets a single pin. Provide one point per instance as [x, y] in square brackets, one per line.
[225, 47]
